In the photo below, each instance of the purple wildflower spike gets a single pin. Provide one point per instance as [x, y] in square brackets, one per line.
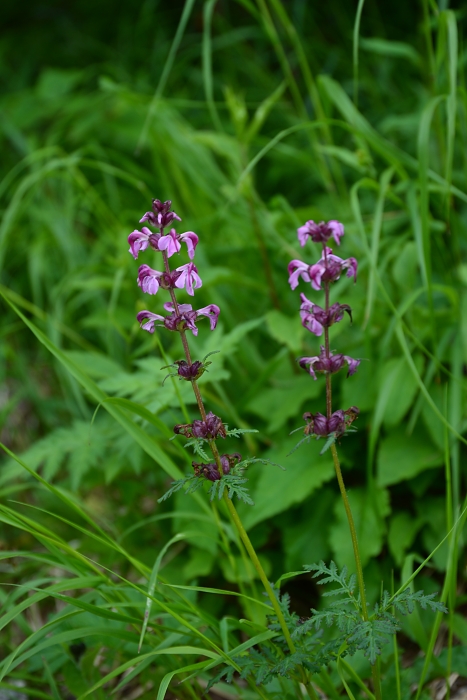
[208, 429]
[211, 470]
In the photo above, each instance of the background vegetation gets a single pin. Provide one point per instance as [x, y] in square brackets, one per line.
[252, 117]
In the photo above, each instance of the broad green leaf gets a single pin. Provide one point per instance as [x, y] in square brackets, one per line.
[369, 509]
[286, 330]
[200, 563]
[403, 528]
[433, 512]
[403, 456]
[306, 535]
[397, 391]
[277, 490]
[284, 401]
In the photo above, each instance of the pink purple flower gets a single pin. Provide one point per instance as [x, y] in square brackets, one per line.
[340, 420]
[211, 470]
[147, 320]
[149, 279]
[315, 319]
[320, 233]
[327, 269]
[209, 429]
[139, 240]
[188, 277]
[186, 318]
[328, 364]
[170, 243]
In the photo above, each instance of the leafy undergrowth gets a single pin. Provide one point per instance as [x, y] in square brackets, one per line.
[252, 118]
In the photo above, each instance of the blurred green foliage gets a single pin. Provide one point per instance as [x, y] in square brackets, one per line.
[252, 117]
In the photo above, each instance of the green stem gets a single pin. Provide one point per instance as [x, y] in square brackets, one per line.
[267, 586]
[358, 562]
[353, 532]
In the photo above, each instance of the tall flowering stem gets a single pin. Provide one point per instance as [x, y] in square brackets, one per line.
[180, 319]
[317, 320]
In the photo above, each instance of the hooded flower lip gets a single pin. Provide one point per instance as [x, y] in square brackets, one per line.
[298, 269]
[327, 269]
[320, 233]
[191, 241]
[139, 240]
[147, 320]
[149, 279]
[330, 365]
[315, 319]
[211, 311]
[186, 318]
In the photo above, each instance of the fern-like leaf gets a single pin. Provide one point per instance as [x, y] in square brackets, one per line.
[195, 484]
[405, 602]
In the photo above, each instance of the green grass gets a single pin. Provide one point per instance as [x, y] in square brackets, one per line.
[252, 117]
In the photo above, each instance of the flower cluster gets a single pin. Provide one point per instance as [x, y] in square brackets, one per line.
[315, 319]
[339, 421]
[328, 362]
[208, 429]
[318, 320]
[182, 316]
[328, 269]
[211, 471]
